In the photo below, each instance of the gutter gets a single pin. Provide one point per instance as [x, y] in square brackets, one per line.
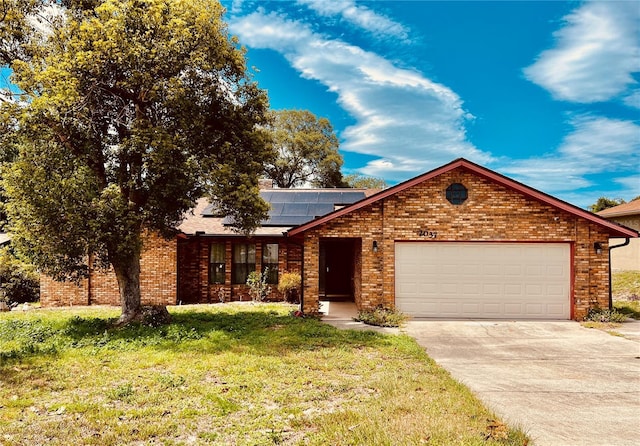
[626, 242]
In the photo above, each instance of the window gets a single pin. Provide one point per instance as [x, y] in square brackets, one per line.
[270, 261]
[244, 261]
[216, 263]
[457, 193]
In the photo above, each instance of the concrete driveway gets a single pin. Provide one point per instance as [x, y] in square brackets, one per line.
[562, 383]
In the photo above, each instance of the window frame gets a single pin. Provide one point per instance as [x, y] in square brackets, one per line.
[217, 269]
[272, 276]
[457, 193]
[240, 268]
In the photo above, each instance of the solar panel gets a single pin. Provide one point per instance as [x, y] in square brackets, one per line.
[290, 207]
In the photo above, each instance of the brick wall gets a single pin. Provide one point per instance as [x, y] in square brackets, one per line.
[491, 213]
[158, 277]
[194, 286]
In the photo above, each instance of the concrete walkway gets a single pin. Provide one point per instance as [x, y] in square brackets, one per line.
[562, 383]
[341, 314]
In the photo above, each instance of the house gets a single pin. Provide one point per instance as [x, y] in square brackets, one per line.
[460, 241]
[627, 256]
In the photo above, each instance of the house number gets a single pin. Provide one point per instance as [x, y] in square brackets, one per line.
[427, 233]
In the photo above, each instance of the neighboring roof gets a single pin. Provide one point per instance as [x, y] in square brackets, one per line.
[622, 210]
[614, 229]
[289, 207]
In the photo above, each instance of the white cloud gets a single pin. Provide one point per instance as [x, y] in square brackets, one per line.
[595, 54]
[408, 122]
[633, 99]
[597, 145]
[360, 16]
[630, 184]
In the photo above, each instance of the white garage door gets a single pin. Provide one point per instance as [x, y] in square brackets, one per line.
[483, 280]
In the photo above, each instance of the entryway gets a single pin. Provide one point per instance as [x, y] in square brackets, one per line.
[337, 269]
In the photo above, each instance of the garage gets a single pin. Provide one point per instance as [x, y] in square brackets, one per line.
[483, 280]
[462, 241]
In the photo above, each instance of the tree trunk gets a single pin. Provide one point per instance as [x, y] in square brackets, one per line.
[127, 269]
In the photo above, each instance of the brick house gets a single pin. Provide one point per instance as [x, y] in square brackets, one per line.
[460, 241]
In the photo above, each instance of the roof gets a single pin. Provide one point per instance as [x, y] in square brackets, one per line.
[288, 208]
[613, 229]
[622, 210]
[292, 207]
[196, 223]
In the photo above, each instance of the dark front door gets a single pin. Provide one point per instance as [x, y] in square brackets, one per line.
[336, 269]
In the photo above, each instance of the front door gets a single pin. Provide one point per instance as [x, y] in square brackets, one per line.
[336, 269]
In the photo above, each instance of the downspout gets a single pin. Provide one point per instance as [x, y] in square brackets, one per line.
[626, 242]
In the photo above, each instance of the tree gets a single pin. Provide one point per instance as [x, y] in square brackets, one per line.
[131, 110]
[307, 151]
[605, 203]
[365, 182]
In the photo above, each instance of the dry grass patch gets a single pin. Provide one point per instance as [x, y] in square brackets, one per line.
[227, 374]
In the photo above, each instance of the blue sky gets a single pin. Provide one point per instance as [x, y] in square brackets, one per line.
[544, 92]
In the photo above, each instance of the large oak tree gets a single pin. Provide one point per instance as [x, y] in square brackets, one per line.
[307, 151]
[130, 111]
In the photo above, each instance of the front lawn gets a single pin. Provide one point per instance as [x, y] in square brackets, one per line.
[232, 374]
[625, 286]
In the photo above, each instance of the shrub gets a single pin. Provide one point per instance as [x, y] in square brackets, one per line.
[289, 286]
[259, 289]
[600, 315]
[382, 317]
[19, 281]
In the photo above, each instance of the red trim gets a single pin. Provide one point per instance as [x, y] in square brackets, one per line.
[572, 287]
[480, 241]
[615, 230]
[572, 267]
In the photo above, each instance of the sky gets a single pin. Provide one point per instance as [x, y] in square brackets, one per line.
[546, 93]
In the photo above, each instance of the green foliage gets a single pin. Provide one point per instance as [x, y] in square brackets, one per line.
[259, 289]
[600, 315]
[19, 281]
[626, 285]
[365, 182]
[289, 285]
[382, 316]
[307, 151]
[605, 203]
[131, 110]
[629, 308]
[251, 374]
[122, 392]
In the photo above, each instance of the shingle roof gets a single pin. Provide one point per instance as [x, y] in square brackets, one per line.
[289, 207]
[631, 208]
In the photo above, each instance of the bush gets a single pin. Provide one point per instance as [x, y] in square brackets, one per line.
[289, 286]
[600, 315]
[259, 289]
[382, 317]
[19, 281]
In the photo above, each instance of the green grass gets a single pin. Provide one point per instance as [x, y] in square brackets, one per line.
[232, 374]
[626, 292]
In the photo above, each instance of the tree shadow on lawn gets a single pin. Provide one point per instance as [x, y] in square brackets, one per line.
[256, 332]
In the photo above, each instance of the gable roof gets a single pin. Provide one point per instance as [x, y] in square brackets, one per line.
[622, 210]
[614, 229]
